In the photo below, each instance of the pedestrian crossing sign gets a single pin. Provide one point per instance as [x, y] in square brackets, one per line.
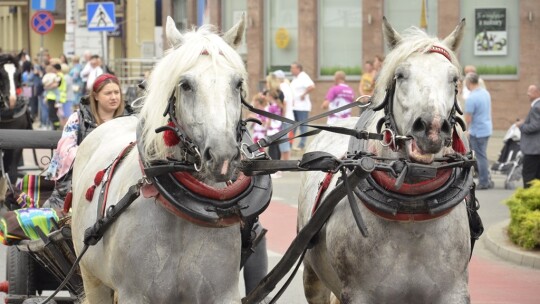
[100, 16]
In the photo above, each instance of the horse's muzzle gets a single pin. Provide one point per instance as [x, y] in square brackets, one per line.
[431, 133]
[221, 163]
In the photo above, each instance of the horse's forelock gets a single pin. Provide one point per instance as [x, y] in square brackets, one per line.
[414, 40]
[168, 71]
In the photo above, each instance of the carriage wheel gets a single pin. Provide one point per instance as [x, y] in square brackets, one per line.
[20, 272]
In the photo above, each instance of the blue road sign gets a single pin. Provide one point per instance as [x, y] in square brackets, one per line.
[43, 5]
[100, 16]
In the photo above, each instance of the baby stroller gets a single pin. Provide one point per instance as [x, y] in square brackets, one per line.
[510, 160]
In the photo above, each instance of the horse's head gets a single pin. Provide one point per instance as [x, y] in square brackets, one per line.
[203, 79]
[417, 88]
[10, 80]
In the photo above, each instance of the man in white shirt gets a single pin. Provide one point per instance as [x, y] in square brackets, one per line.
[301, 85]
[92, 71]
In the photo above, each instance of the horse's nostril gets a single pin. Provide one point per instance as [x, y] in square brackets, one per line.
[419, 125]
[445, 127]
[207, 155]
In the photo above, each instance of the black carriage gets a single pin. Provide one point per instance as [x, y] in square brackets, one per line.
[35, 266]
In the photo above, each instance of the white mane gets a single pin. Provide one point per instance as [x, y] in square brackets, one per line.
[414, 40]
[166, 74]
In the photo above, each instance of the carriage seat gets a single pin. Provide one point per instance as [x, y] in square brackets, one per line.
[23, 224]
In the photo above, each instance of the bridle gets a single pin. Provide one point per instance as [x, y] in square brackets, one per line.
[174, 134]
[391, 136]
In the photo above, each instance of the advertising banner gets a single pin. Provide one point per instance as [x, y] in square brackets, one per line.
[490, 32]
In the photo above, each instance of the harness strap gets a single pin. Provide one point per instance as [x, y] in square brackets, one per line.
[475, 222]
[304, 236]
[92, 235]
[102, 202]
[267, 141]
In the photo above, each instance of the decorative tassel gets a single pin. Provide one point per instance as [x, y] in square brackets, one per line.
[457, 143]
[68, 200]
[97, 180]
[170, 137]
[90, 193]
[99, 177]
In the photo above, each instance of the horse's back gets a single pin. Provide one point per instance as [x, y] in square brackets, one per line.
[105, 142]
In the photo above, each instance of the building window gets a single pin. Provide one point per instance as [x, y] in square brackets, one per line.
[340, 36]
[281, 34]
[419, 13]
[231, 14]
[180, 14]
[491, 38]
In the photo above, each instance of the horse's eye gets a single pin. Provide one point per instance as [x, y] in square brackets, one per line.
[185, 86]
[455, 79]
[239, 85]
[399, 76]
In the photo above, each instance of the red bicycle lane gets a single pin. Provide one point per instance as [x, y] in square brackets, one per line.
[490, 282]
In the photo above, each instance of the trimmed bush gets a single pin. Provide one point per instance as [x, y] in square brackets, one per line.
[497, 70]
[349, 70]
[524, 205]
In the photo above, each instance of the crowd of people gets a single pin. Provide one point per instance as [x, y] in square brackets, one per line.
[291, 99]
[55, 85]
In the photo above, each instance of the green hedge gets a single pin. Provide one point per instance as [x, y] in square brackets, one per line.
[496, 70]
[329, 71]
[524, 205]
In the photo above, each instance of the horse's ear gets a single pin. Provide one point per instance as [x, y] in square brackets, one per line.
[234, 36]
[392, 36]
[453, 41]
[173, 35]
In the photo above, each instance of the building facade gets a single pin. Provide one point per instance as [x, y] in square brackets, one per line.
[501, 36]
[327, 34]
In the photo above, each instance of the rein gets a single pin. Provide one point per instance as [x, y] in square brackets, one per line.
[275, 139]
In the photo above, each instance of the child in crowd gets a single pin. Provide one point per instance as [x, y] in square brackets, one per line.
[275, 106]
[258, 131]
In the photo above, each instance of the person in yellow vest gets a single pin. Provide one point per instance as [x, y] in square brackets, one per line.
[55, 94]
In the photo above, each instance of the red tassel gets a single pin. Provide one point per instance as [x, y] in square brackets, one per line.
[67, 201]
[90, 193]
[457, 143]
[99, 177]
[170, 138]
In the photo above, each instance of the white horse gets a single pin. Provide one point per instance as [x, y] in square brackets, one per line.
[150, 255]
[411, 257]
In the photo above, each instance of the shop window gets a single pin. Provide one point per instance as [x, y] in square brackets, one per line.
[404, 14]
[281, 34]
[180, 15]
[491, 39]
[340, 37]
[231, 14]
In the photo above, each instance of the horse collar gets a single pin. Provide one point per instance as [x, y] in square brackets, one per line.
[183, 195]
[421, 201]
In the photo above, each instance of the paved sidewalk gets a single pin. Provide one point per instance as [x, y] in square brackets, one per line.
[497, 241]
